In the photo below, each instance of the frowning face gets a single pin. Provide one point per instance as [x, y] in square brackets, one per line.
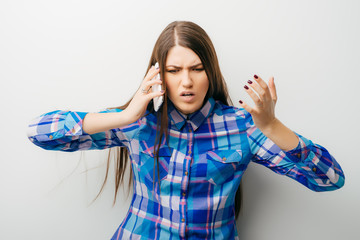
[186, 79]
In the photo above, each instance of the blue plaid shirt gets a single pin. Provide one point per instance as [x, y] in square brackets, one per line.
[200, 167]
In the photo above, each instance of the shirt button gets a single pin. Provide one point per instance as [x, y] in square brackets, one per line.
[189, 129]
[224, 158]
[298, 155]
[184, 194]
[73, 130]
[314, 169]
[189, 152]
[183, 219]
[51, 137]
[186, 173]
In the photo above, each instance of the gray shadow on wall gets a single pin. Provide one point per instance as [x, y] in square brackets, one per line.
[256, 184]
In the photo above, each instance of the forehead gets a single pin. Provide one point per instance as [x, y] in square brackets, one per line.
[179, 55]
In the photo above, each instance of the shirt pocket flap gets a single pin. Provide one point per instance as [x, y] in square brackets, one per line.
[222, 165]
[225, 156]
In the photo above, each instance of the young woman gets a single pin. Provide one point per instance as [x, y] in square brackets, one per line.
[187, 158]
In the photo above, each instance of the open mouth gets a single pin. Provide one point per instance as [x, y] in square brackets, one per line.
[187, 93]
[187, 96]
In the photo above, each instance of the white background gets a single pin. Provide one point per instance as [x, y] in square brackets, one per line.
[89, 55]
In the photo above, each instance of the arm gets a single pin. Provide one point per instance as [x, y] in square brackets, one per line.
[71, 131]
[307, 163]
[283, 151]
[63, 130]
[99, 122]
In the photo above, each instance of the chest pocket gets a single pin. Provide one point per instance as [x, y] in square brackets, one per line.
[222, 165]
[147, 165]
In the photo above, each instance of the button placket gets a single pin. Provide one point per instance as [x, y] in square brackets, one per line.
[187, 165]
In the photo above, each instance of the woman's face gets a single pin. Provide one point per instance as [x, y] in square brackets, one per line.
[186, 79]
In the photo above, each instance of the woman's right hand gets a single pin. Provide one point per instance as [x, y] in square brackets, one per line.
[99, 122]
[140, 101]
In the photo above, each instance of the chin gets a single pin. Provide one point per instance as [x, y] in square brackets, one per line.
[188, 109]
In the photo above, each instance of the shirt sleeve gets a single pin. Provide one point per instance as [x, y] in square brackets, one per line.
[63, 131]
[309, 164]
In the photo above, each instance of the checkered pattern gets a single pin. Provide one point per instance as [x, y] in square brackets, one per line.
[200, 167]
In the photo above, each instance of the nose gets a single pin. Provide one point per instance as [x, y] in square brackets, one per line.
[186, 80]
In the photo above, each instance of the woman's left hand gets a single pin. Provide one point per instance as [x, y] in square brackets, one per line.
[264, 96]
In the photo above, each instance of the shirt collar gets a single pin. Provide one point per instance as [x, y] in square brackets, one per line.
[195, 119]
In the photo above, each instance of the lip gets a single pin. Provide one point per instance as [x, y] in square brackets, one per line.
[187, 98]
[186, 92]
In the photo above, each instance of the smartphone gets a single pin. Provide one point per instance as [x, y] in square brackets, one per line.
[157, 88]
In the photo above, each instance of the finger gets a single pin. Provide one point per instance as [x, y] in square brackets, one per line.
[272, 89]
[246, 107]
[259, 90]
[155, 94]
[149, 84]
[151, 74]
[262, 84]
[253, 96]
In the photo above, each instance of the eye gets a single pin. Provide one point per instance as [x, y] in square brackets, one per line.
[198, 69]
[172, 70]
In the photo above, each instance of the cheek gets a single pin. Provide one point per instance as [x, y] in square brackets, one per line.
[170, 88]
[205, 84]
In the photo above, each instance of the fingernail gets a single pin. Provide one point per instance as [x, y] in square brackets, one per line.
[241, 102]
[249, 81]
[157, 65]
[246, 87]
[256, 77]
[162, 91]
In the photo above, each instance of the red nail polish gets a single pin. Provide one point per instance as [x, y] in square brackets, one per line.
[240, 101]
[249, 81]
[246, 87]
[256, 77]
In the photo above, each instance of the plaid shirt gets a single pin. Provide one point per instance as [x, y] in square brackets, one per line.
[200, 167]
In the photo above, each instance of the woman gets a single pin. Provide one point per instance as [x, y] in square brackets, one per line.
[188, 157]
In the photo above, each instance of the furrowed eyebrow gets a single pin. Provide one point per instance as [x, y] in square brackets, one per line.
[193, 66]
[196, 65]
[173, 66]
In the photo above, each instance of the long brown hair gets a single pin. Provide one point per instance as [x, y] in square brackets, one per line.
[188, 35]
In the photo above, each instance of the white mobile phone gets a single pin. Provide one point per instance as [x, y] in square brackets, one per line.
[157, 88]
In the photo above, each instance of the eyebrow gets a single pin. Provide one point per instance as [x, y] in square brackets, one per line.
[193, 66]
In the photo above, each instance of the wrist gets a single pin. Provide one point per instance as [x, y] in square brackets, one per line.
[124, 117]
[281, 135]
[130, 116]
[271, 127]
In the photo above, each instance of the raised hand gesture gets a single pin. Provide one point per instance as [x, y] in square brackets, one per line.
[265, 98]
[263, 113]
